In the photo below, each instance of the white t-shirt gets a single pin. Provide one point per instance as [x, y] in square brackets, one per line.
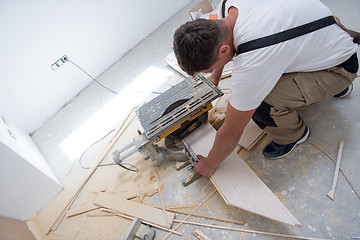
[255, 73]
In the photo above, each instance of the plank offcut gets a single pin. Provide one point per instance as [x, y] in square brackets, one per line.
[238, 184]
[81, 210]
[200, 235]
[331, 193]
[134, 209]
[251, 134]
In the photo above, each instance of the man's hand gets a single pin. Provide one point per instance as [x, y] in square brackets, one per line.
[204, 167]
[225, 142]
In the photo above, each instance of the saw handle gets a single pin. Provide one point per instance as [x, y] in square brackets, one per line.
[118, 159]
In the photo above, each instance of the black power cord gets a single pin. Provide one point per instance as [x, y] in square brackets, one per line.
[80, 163]
[131, 167]
[94, 79]
[126, 166]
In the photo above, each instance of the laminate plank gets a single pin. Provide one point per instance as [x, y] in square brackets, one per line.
[81, 210]
[134, 209]
[238, 184]
[331, 193]
[248, 230]
[252, 133]
[200, 235]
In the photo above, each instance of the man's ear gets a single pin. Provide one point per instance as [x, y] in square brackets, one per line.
[224, 50]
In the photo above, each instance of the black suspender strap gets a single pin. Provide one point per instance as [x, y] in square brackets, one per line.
[281, 36]
[285, 35]
[223, 8]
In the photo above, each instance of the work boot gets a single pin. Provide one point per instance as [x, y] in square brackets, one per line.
[275, 151]
[346, 92]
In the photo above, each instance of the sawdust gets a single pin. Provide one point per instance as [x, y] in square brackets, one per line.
[114, 180]
[137, 187]
[90, 228]
[111, 179]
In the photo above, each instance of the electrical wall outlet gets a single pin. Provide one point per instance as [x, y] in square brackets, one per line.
[59, 62]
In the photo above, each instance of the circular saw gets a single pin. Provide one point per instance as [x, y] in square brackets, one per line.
[172, 116]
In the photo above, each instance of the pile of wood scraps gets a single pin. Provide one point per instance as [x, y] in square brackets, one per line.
[112, 205]
[50, 222]
[163, 219]
[116, 197]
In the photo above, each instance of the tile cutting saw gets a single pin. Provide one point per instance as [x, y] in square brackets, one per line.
[172, 116]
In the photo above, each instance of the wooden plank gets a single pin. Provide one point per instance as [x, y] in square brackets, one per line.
[252, 133]
[120, 130]
[331, 193]
[332, 159]
[134, 209]
[205, 216]
[248, 230]
[238, 184]
[81, 210]
[200, 235]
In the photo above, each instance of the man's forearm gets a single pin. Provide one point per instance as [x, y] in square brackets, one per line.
[228, 134]
[225, 142]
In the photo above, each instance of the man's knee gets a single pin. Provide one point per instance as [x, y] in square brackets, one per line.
[262, 116]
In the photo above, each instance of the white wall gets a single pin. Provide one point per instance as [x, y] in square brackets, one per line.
[92, 33]
[27, 183]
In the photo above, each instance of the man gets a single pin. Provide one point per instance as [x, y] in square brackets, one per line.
[270, 82]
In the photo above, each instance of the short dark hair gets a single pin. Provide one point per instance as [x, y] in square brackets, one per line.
[196, 44]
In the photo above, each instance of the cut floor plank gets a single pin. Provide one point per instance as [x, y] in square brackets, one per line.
[134, 209]
[252, 133]
[120, 130]
[200, 235]
[248, 230]
[81, 210]
[238, 184]
[331, 193]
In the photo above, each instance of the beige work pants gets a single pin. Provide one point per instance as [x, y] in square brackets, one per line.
[298, 90]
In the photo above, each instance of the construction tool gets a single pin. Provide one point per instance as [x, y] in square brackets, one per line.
[171, 116]
[134, 231]
[193, 160]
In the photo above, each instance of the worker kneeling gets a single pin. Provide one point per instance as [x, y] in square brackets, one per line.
[286, 55]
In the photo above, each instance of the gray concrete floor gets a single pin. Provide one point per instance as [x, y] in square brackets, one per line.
[300, 180]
